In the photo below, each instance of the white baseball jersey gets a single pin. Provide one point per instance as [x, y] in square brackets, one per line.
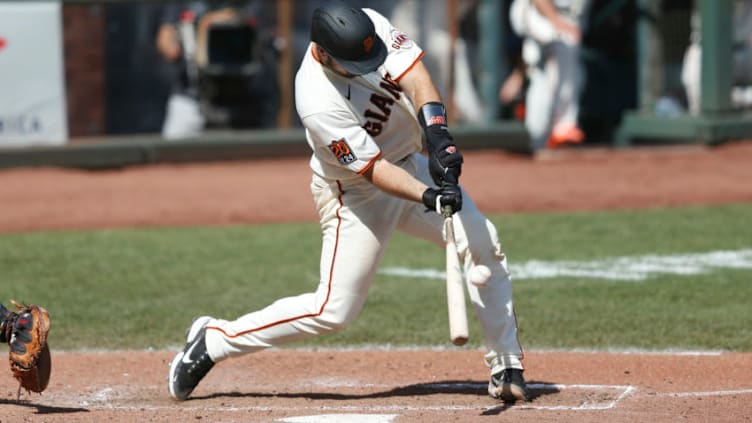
[350, 122]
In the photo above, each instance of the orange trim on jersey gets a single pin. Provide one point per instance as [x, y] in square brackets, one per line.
[328, 289]
[411, 66]
[369, 164]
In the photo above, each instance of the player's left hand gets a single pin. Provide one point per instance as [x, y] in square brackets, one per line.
[446, 195]
[444, 159]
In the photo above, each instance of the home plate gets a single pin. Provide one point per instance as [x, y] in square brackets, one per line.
[341, 418]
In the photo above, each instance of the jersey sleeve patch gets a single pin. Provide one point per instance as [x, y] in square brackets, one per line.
[342, 151]
[400, 39]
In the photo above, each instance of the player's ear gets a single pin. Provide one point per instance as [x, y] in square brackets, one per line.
[321, 53]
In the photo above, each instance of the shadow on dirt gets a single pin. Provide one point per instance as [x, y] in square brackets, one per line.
[43, 409]
[462, 387]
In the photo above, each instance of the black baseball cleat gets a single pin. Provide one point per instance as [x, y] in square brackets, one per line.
[192, 364]
[508, 385]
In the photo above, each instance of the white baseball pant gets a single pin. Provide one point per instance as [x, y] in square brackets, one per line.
[357, 221]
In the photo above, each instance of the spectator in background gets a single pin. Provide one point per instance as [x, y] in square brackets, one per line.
[514, 85]
[552, 32]
[742, 56]
[224, 66]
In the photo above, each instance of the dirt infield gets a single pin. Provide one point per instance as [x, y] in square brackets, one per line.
[398, 386]
[381, 385]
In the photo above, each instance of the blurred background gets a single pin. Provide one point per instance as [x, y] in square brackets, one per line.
[103, 71]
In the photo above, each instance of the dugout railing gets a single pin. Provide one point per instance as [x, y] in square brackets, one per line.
[718, 120]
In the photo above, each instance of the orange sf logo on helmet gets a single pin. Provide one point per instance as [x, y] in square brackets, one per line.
[368, 44]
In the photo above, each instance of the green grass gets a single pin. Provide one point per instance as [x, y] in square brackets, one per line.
[140, 288]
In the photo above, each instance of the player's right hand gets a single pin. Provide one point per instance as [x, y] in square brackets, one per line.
[446, 195]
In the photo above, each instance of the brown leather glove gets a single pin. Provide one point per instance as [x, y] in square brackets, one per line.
[25, 331]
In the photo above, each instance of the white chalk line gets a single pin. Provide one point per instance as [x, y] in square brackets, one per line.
[340, 418]
[625, 268]
[96, 402]
[702, 394]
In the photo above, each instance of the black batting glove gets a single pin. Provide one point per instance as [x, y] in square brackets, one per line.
[444, 159]
[447, 195]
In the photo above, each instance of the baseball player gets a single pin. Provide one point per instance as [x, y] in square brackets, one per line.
[552, 32]
[365, 100]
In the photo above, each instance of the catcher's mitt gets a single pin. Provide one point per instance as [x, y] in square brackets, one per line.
[27, 338]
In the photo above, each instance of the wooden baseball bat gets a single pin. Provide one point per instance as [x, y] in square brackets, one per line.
[458, 329]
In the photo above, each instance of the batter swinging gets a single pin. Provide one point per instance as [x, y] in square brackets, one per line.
[365, 100]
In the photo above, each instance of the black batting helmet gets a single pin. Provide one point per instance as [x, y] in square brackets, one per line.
[348, 35]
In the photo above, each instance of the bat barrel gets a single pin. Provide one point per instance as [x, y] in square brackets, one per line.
[458, 327]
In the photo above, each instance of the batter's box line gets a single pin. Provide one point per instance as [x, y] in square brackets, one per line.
[625, 391]
[700, 394]
[622, 390]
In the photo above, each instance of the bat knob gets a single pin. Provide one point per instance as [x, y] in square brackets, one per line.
[447, 211]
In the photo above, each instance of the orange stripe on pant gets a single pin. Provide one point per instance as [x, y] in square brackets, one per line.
[328, 293]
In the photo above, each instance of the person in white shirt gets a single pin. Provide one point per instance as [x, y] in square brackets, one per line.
[552, 32]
